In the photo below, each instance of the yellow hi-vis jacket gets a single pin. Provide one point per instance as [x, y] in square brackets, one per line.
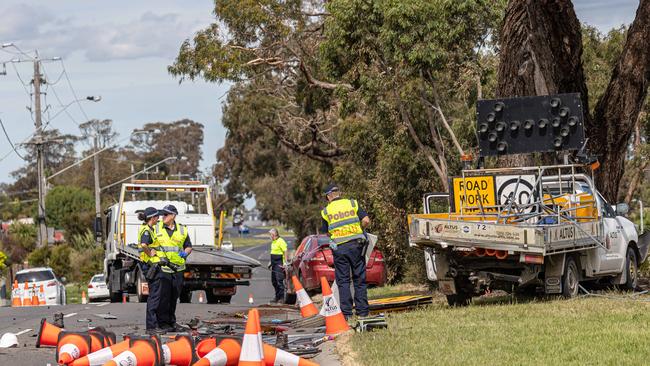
[278, 247]
[144, 257]
[343, 223]
[169, 246]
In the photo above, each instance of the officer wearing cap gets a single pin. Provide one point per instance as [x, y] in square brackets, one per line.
[278, 259]
[175, 246]
[149, 257]
[345, 221]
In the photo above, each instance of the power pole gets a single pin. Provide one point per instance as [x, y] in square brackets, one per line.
[40, 161]
[98, 203]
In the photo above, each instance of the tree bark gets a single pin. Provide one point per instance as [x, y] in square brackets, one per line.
[618, 109]
[541, 50]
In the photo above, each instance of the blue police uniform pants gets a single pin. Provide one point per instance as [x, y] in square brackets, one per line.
[170, 289]
[348, 257]
[153, 302]
[277, 276]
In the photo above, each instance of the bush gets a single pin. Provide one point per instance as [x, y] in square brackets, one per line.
[39, 257]
[71, 209]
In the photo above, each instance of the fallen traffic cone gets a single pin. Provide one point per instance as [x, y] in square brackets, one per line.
[275, 356]
[200, 297]
[48, 334]
[108, 337]
[98, 358]
[250, 299]
[16, 295]
[84, 300]
[96, 341]
[35, 301]
[71, 346]
[335, 322]
[252, 351]
[41, 296]
[143, 352]
[27, 295]
[307, 307]
[205, 346]
[180, 352]
[227, 354]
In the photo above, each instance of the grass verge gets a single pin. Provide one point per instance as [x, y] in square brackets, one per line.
[73, 293]
[559, 332]
[397, 290]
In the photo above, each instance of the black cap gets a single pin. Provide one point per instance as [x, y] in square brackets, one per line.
[169, 209]
[332, 187]
[150, 212]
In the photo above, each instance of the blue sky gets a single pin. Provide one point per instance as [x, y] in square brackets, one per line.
[120, 50]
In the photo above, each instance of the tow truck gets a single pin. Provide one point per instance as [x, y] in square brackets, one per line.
[209, 267]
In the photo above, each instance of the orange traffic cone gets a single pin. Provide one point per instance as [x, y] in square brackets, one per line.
[180, 352]
[48, 334]
[201, 297]
[72, 345]
[108, 337]
[275, 356]
[252, 351]
[84, 300]
[205, 346]
[227, 354]
[35, 301]
[102, 356]
[250, 299]
[16, 295]
[41, 296]
[143, 352]
[307, 307]
[27, 295]
[334, 320]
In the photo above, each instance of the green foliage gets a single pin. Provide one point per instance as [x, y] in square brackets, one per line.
[23, 235]
[70, 208]
[89, 260]
[3, 260]
[83, 241]
[40, 257]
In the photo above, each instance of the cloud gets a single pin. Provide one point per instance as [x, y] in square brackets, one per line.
[150, 35]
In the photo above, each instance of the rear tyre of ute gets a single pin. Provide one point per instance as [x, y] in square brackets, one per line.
[571, 278]
[217, 299]
[631, 270]
[461, 297]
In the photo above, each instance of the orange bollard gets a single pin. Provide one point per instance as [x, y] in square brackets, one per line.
[71, 346]
[16, 295]
[307, 307]
[48, 334]
[102, 356]
[275, 356]
[335, 322]
[252, 351]
[227, 354]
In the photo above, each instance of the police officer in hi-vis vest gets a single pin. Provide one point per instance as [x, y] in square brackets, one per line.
[175, 245]
[149, 256]
[345, 221]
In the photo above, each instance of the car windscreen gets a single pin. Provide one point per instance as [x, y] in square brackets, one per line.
[34, 276]
[98, 279]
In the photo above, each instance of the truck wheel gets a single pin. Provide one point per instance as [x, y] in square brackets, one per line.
[216, 299]
[631, 270]
[571, 278]
[138, 287]
[185, 297]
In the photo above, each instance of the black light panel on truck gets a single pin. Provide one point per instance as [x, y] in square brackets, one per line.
[530, 124]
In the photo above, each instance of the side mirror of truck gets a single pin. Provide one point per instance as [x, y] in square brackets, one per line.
[622, 209]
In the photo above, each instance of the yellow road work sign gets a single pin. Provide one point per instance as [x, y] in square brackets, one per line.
[471, 193]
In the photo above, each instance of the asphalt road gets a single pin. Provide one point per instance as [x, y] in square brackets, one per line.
[130, 316]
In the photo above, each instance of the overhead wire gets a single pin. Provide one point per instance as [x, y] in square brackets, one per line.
[13, 147]
[74, 93]
[56, 95]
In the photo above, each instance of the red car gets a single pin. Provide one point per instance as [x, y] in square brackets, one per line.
[313, 259]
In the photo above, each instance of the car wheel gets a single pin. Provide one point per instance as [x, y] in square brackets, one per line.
[631, 270]
[571, 278]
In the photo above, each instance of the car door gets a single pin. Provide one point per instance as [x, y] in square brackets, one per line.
[612, 256]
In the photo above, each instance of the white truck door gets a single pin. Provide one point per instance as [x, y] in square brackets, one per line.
[611, 258]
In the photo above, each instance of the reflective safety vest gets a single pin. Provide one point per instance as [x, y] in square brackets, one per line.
[278, 247]
[343, 223]
[169, 246]
[144, 257]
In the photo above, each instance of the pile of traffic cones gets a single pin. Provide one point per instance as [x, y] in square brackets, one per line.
[27, 296]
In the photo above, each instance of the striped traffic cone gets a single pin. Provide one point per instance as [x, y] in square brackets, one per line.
[98, 358]
[27, 295]
[16, 295]
[48, 334]
[252, 351]
[334, 320]
[84, 300]
[41, 296]
[180, 352]
[275, 356]
[307, 307]
[143, 352]
[226, 354]
[71, 346]
[205, 346]
[35, 301]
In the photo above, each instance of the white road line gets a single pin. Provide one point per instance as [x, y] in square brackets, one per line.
[69, 315]
[103, 304]
[23, 332]
[251, 248]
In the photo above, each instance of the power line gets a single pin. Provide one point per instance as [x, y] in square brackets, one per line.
[9, 139]
[56, 95]
[74, 94]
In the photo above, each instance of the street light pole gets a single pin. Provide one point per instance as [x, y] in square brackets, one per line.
[40, 163]
[98, 203]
